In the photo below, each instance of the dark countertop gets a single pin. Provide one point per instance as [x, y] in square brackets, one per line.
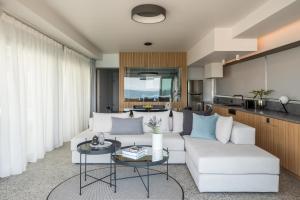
[267, 113]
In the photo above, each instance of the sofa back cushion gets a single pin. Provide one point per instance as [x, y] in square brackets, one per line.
[242, 134]
[224, 128]
[187, 122]
[177, 122]
[164, 116]
[127, 126]
[103, 123]
[204, 126]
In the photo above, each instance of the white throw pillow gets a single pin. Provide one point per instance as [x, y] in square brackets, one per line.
[177, 122]
[223, 128]
[164, 116]
[103, 122]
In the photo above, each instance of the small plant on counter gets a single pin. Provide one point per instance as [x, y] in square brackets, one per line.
[261, 93]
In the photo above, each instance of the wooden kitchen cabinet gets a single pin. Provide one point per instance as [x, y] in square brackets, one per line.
[292, 143]
[279, 137]
[221, 110]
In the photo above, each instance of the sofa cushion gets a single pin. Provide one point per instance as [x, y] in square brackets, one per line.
[187, 122]
[173, 141]
[102, 121]
[177, 121]
[224, 128]
[211, 156]
[164, 116]
[204, 127]
[127, 126]
[242, 134]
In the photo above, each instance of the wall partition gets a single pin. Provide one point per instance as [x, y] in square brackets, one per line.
[45, 95]
[149, 67]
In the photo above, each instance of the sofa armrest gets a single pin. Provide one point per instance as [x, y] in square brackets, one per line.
[242, 134]
[91, 123]
[87, 134]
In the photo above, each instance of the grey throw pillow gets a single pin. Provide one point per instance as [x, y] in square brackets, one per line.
[127, 126]
[187, 122]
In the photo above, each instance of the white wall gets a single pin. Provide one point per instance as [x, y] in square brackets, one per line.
[108, 61]
[279, 72]
[195, 73]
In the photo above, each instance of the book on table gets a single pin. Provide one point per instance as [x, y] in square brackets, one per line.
[134, 152]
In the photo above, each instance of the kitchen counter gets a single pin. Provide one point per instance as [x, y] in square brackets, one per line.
[267, 113]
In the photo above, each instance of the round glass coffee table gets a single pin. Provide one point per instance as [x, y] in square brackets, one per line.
[84, 148]
[144, 162]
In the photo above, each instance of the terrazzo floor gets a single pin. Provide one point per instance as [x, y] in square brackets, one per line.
[41, 177]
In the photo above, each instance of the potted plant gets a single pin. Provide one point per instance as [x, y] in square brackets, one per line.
[259, 95]
[157, 137]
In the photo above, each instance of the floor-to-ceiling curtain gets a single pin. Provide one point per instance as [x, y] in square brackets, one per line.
[93, 87]
[44, 99]
[76, 93]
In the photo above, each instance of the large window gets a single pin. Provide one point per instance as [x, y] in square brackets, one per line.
[158, 84]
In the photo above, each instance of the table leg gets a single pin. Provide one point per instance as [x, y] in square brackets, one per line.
[148, 190]
[115, 175]
[85, 167]
[167, 169]
[80, 176]
[110, 169]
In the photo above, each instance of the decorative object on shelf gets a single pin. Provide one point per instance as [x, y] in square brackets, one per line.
[157, 138]
[284, 100]
[260, 94]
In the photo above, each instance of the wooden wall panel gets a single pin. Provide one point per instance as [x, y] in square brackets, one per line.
[153, 60]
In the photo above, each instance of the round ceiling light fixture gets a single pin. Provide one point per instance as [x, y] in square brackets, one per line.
[148, 14]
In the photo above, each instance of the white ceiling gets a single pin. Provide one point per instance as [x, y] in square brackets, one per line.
[108, 25]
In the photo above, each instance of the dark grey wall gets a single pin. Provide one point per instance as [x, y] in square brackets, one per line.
[280, 72]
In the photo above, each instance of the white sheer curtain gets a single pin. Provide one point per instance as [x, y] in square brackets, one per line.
[76, 94]
[39, 81]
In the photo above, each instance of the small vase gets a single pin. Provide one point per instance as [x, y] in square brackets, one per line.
[260, 104]
[157, 146]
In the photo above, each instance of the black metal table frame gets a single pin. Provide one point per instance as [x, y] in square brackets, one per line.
[147, 167]
[97, 179]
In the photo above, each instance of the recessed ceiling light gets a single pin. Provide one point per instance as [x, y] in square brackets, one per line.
[148, 43]
[148, 14]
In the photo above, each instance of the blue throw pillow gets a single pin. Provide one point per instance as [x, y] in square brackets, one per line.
[204, 127]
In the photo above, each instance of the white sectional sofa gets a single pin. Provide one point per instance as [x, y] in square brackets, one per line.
[171, 139]
[238, 166]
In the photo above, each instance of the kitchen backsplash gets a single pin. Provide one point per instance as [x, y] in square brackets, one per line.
[293, 108]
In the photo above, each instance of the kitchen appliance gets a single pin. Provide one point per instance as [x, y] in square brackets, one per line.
[250, 104]
[195, 95]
